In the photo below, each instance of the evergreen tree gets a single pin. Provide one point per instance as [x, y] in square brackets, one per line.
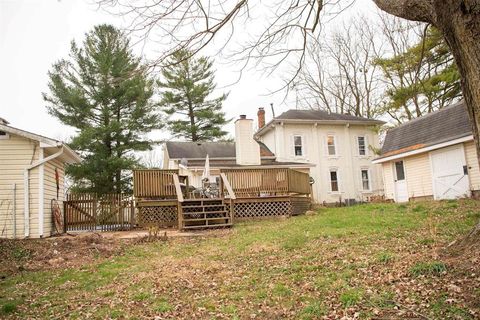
[104, 92]
[422, 79]
[187, 83]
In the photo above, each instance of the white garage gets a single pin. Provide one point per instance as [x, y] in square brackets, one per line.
[432, 157]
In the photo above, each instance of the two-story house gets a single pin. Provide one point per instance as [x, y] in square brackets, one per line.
[341, 148]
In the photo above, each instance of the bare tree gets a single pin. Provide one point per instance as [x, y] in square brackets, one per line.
[339, 75]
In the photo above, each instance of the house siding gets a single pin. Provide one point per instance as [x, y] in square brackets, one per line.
[418, 173]
[419, 176]
[16, 153]
[389, 180]
[50, 192]
[347, 161]
[472, 163]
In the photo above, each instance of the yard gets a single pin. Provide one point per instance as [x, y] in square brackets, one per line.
[368, 261]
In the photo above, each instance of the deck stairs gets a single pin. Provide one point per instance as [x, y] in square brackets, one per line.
[204, 213]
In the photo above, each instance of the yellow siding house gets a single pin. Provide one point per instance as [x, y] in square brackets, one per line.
[32, 170]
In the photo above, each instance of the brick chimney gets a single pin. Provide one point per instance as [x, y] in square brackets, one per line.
[261, 118]
[247, 150]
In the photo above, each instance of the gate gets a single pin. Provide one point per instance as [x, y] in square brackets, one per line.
[93, 212]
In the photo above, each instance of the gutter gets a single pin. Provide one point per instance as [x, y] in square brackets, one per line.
[26, 188]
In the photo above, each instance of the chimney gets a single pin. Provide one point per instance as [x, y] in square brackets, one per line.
[247, 150]
[261, 118]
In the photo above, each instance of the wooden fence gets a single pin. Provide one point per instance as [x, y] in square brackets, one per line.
[154, 183]
[92, 212]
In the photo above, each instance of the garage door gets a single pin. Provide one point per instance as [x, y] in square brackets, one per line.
[450, 179]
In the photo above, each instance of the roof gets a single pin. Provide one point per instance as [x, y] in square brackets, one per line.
[447, 124]
[70, 155]
[319, 116]
[199, 150]
[231, 163]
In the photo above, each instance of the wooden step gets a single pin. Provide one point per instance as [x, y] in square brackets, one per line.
[206, 219]
[208, 226]
[205, 212]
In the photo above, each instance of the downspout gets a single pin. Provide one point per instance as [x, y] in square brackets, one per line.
[26, 184]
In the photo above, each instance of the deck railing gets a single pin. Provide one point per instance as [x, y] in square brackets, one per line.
[258, 182]
[154, 183]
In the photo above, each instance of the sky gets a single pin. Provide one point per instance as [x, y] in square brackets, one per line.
[34, 34]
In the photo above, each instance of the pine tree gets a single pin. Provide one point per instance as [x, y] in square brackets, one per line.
[187, 83]
[104, 92]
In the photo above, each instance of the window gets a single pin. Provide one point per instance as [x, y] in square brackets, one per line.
[3, 135]
[297, 145]
[331, 145]
[399, 171]
[365, 179]
[333, 180]
[362, 148]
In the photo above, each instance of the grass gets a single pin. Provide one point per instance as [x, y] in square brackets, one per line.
[336, 262]
[428, 268]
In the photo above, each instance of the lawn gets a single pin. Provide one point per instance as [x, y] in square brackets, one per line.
[367, 261]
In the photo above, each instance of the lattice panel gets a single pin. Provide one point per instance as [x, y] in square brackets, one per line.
[253, 210]
[161, 216]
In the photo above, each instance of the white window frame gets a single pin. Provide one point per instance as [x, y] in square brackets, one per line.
[334, 145]
[5, 136]
[369, 176]
[330, 180]
[302, 145]
[365, 147]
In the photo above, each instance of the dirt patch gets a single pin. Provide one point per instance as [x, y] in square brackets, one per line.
[57, 252]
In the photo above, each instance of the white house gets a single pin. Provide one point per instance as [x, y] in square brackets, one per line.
[32, 169]
[189, 157]
[432, 157]
[339, 147]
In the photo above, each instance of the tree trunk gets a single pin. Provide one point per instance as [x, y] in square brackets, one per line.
[459, 22]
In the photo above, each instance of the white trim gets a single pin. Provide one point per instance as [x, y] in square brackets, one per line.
[41, 195]
[422, 150]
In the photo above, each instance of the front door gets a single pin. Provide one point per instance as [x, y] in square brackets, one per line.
[450, 173]
[401, 192]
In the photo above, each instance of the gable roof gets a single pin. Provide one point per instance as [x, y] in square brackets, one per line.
[71, 156]
[318, 116]
[199, 150]
[447, 124]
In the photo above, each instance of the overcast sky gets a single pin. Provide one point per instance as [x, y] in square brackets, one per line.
[36, 33]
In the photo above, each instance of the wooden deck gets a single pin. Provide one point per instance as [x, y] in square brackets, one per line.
[244, 194]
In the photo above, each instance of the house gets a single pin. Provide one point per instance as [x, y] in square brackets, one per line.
[189, 157]
[340, 148]
[432, 157]
[31, 181]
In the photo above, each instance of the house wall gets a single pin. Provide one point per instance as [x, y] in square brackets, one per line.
[347, 162]
[50, 192]
[472, 163]
[16, 153]
[418, 174]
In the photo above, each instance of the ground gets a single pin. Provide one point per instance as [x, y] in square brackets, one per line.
[375, 261]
